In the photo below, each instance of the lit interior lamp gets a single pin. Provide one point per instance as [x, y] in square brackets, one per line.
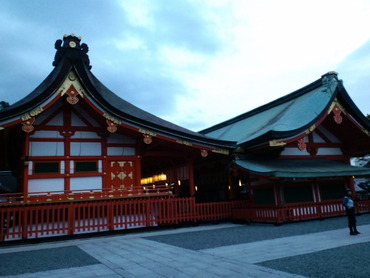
[162, 177]
[240, 182]
[155, 178]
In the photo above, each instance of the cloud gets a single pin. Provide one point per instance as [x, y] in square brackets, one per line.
[194, 63]
[355, 72]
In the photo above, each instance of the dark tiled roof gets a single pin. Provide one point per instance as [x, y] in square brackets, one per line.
[75, 58]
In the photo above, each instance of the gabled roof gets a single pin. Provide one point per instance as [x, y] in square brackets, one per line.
[71, 56]
[288, 116]
[300, 167]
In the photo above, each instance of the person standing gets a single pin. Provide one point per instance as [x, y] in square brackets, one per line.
[350, 210]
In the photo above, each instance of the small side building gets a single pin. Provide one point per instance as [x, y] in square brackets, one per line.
[297, 149]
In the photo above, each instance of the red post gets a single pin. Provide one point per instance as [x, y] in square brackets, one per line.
[71, 219]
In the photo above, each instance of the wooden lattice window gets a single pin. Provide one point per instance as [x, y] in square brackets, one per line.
[86, 166]
[46, 167]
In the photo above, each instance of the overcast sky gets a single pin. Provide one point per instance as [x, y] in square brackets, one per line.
[194, 63]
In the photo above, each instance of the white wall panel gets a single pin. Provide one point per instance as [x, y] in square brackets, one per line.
[85, 148]
[45, 185]
[85, 183]
[46, 148]
[86, 134]
[46, 134]
[329, 151]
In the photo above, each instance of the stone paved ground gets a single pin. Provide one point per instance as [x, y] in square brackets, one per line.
[309, 249]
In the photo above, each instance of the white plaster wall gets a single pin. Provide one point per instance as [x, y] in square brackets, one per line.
[86, 134]
[86, 148]
[329, 151]
[86, 183]
[45, 185]
[46, 148]
[46, 134]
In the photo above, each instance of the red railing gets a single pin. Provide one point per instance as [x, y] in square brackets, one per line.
[296, 211]
[29, 221]
[81, 195]
[58, 219]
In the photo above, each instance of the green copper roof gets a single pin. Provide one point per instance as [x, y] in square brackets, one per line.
[301, 167]
[283, 117]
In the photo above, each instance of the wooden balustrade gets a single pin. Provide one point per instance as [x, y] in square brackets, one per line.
[84, 195]
[20, 221]
[29, 221]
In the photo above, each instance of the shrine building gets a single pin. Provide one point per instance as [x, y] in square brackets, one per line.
[76, 154]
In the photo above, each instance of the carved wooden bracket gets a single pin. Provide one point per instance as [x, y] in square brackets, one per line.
[112, 127]
[301, 144]
[147, 139]
[27, 126]
[337, 115]
[72, 93]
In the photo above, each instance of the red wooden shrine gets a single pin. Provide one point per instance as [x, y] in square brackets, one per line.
[76, 158]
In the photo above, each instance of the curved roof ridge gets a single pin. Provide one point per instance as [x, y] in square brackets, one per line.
[283, 117]
[267, 106]
[136, 115]
[71, 55]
